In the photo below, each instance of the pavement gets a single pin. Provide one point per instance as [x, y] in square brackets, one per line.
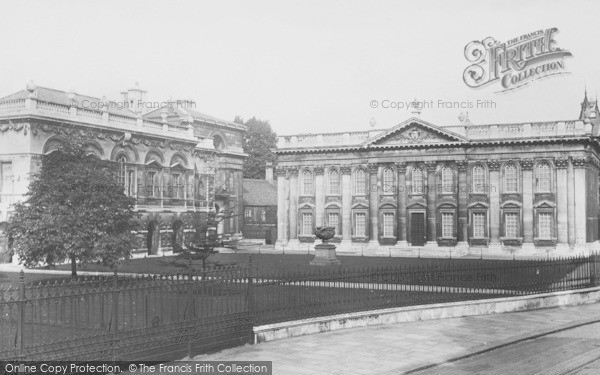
[427, 346]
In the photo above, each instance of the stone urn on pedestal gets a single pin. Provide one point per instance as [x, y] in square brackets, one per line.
[325, 252]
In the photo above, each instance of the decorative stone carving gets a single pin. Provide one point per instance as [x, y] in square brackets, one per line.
[580, 162]
[461, 165]
[493, 165]
[415, 135]
[293, 171]
[373, 168]
[280, 171]
[346, 169]
[401, 167]
[431, 165]
[561, 162]
[319, 170]
[527, 164]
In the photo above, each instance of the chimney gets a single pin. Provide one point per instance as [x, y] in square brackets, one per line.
[134, 98]
[269, 172]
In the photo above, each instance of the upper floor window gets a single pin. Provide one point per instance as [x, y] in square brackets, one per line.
[446, 179]
[307, 183]
[388, 180]
[248, 213]
[478, 179]
[177, 185]
[334, 182]
[153, 184]
[510, 178]
[417, 180]
[6, 178]
[543, 178]
[360, 182]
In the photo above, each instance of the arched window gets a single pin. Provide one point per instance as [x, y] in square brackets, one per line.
[307, 182]
[478, 179]
[360, 182]
[543, 177]
[388, 180]
[446, 179]
[417, 180]
[122, 160]
[510, 178]
[218, 143]
[334, 182]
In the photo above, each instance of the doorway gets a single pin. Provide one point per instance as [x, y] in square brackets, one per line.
[417, 229]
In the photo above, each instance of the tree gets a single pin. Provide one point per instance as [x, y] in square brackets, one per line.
[258, 141]
[76, 209]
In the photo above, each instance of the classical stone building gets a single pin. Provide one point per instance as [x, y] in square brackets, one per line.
[173, 159]
[528, 188]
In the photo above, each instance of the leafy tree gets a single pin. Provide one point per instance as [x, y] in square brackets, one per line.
[258, 141]
[75, 210]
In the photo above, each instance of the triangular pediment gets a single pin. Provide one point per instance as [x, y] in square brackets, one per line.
[415, 131]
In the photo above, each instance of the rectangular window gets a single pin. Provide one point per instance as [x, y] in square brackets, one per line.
[333, 220]
[478, 225]
[417, 181]
[152, 184]
[177, 186]
[447, 224]
[359, 182]
[130, 191]
[6, 178]
[248, 214]
[511, 225]
[360, 224]
[545, 225]
[307, 227]
[388, 224]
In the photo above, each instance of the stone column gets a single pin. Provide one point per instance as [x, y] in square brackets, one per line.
[281, 208]
[319, 196]
[579, 166]
[571, 204]
[373, 203]
[494, 191]
[463, 201]
[528, 219]
[402, 194]
[562, 214]
[432, 191]
[346, 207]
[293, 208]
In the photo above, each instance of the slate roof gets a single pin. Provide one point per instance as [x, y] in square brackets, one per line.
[259, 193]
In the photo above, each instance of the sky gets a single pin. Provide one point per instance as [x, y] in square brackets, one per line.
[305, 66]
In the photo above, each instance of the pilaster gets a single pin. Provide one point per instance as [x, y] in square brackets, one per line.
[319, 195]
[494, 191]
[463, 200]
[528, 219]
[346, 206]
[373, 202]
[293, 206]
[562, 213]
[431, 205]
[401, 191]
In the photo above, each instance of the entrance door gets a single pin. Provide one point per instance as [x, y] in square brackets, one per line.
[417, 229]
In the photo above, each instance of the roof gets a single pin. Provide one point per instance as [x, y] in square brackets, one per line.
[45, 94]
[182, 112]
[259, 193]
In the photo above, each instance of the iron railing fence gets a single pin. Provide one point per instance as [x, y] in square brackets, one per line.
[278, 297]
[59, 318]
[168, 316]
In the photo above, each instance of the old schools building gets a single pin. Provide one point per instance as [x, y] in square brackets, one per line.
[421, 188]
[173, 159]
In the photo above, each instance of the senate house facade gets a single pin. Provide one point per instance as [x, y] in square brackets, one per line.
[174, 160]
[420, 188]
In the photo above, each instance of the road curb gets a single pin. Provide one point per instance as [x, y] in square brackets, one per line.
[497, 345]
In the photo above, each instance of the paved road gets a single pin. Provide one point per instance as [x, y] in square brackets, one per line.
[398, 348]
[566, 352]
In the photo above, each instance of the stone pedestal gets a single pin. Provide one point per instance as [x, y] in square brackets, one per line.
[325, 255]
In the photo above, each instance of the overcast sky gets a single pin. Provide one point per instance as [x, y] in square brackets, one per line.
[306, 66]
